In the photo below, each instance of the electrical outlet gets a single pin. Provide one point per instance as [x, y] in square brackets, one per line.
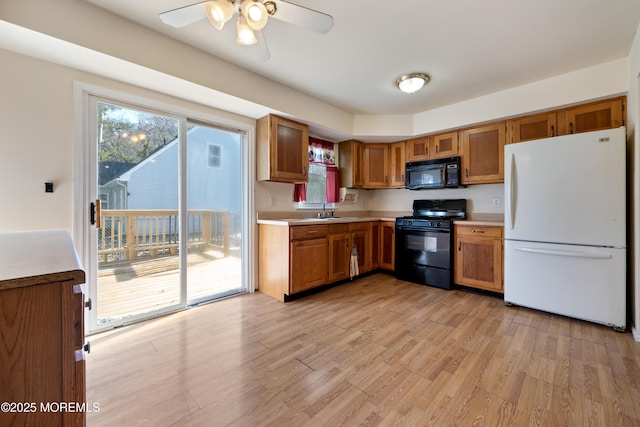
[496, 202]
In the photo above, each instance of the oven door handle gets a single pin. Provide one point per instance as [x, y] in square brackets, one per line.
[422, 230]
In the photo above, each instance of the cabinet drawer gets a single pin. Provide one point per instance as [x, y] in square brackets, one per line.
[359, 226]
[338, 228]
[303, 232]
[480, 231]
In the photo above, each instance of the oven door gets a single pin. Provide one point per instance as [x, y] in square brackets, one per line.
[423, 255]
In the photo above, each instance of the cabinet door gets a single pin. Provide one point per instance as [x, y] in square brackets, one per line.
[397, 166]
[478, 257]
[376, 165]
[417, 149]
[33, 353]
[339, 253]
[387, 245]
[444, 145]
[375, 244]
[351, 154]
[361, 239]
[596, 116]
[533, 127]
[282, 147]
[308, 264]
[483, 154]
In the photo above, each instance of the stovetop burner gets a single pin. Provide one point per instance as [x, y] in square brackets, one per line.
[444, 210]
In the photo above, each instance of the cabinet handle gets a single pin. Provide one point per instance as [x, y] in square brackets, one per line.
[459, 245]
[312, 231]
[570, 127]
[466, 172]
[478, 231]
[553, 130]
[402, 179]
[437, 150]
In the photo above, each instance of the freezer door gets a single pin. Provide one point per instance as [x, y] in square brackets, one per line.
[582, 282]
[567, 189]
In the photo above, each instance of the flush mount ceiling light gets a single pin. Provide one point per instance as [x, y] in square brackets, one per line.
[252, 16]
[411, 82]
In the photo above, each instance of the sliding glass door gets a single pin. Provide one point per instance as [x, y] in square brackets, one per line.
[167, 222]
[214, 205]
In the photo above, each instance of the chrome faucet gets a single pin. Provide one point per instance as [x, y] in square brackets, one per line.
[324, 213]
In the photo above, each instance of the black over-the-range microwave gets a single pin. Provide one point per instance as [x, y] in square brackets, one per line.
[436, 173]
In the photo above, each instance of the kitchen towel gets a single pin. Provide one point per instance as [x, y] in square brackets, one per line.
[353, 263]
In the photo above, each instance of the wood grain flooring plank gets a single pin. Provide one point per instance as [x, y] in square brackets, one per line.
[375, 351]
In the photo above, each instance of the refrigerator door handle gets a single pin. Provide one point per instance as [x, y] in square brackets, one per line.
[510, 194]
[575, 254]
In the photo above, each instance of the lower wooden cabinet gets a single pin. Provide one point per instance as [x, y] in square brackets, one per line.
[478, 257]
[308, 264]
[387, 245]
[296, 258]
[41, 330]
[339, 252]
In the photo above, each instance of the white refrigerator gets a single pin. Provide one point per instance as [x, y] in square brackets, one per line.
[565, 247]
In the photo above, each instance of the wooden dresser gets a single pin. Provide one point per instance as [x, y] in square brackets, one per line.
[42, 368]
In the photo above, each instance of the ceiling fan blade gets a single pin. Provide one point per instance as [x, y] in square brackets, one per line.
[184, 16]
[303, 16]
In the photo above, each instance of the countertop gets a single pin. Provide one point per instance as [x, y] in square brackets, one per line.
[483, 219]
[479, 219]
[35, 257]
[310, 221]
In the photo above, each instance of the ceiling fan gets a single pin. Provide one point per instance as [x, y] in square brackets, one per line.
[252, 17]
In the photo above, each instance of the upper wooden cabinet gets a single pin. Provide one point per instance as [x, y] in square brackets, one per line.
[417, 149]
[351, 156]
[532, 127]
[444, 145]
[583, 118]
[376, 165]
[483, 154]
[397, 164]
[432, 147]
[596, 116]
[282, 150]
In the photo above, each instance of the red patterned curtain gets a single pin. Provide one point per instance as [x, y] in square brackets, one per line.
[333, 184]
[323, 152]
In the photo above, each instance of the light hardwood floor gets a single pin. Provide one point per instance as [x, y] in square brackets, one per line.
[375, 351]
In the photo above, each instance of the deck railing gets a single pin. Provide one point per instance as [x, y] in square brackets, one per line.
[130, 234]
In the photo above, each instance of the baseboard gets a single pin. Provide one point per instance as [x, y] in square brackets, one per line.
[635, 333]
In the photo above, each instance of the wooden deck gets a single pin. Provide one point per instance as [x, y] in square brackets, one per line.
[127, 289]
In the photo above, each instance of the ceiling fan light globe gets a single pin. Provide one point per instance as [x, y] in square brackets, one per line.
[218, 12]
[245, 35]
[255, 14]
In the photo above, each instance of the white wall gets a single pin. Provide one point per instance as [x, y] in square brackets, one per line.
[37, 139]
